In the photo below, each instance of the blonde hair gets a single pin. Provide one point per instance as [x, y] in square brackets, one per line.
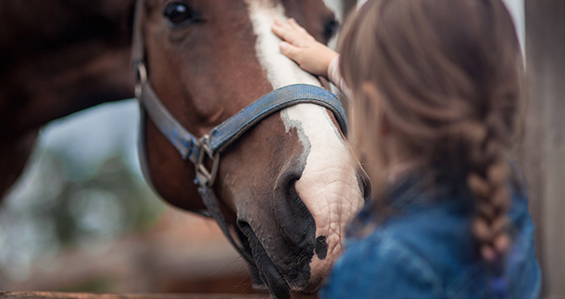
[448, 76]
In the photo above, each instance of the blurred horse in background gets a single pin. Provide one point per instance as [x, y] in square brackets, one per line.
[56, 58]
[286, 187]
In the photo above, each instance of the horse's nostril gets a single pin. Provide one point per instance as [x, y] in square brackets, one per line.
[291, 214]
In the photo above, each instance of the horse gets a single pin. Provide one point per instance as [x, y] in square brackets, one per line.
[286, 187]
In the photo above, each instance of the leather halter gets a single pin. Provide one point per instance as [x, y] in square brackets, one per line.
[211, 145]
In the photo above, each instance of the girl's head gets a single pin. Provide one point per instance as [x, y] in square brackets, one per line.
[441, 80]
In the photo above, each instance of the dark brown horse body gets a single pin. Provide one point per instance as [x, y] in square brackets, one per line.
[287, 185]
[56, 58]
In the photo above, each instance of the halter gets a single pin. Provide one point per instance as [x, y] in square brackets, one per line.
[211, 145]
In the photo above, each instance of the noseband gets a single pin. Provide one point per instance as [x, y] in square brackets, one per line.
[211, 145]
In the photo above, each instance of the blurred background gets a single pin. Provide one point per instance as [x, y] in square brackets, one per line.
[81, 218]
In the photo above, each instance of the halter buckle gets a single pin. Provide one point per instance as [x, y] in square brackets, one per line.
[141, 72]
[205, 177]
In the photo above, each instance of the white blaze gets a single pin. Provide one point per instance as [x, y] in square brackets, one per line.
[281, 71]
[328, 185]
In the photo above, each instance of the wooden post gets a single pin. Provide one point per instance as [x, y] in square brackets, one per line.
[543, 148]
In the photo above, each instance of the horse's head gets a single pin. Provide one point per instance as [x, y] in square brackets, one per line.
[287, 186]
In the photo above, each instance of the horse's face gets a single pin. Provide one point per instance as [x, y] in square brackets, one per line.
[287, 184]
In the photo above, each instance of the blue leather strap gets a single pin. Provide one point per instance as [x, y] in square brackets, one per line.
[222, 135]
[190, 147]
[187, 144]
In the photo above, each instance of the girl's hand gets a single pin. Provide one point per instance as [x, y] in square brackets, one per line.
[300, 46]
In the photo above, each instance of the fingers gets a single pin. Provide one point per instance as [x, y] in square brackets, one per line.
[291, 32]
[290, 51]
[285, 33]
[302, 48]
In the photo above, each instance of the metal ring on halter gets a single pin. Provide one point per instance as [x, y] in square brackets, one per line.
[141, 77]
[204, 176]
[141, 72]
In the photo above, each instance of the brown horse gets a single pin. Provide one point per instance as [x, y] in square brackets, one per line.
[287, 186]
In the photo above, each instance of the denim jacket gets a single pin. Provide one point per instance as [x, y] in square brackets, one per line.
[426, 250]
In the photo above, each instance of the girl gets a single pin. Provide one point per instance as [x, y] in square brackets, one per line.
[435, 86]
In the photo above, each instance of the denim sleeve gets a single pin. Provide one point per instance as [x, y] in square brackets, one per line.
[380, 267]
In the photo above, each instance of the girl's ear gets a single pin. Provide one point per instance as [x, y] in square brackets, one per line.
[375, 99]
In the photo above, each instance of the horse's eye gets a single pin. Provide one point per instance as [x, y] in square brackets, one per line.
[178, 14]
[330, 29]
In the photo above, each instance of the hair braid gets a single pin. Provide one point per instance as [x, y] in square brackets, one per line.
[487, 180]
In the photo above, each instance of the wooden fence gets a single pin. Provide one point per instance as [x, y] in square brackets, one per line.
[54, 295]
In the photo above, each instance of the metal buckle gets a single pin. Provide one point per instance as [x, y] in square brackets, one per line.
[141, 78]
[205, 177]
